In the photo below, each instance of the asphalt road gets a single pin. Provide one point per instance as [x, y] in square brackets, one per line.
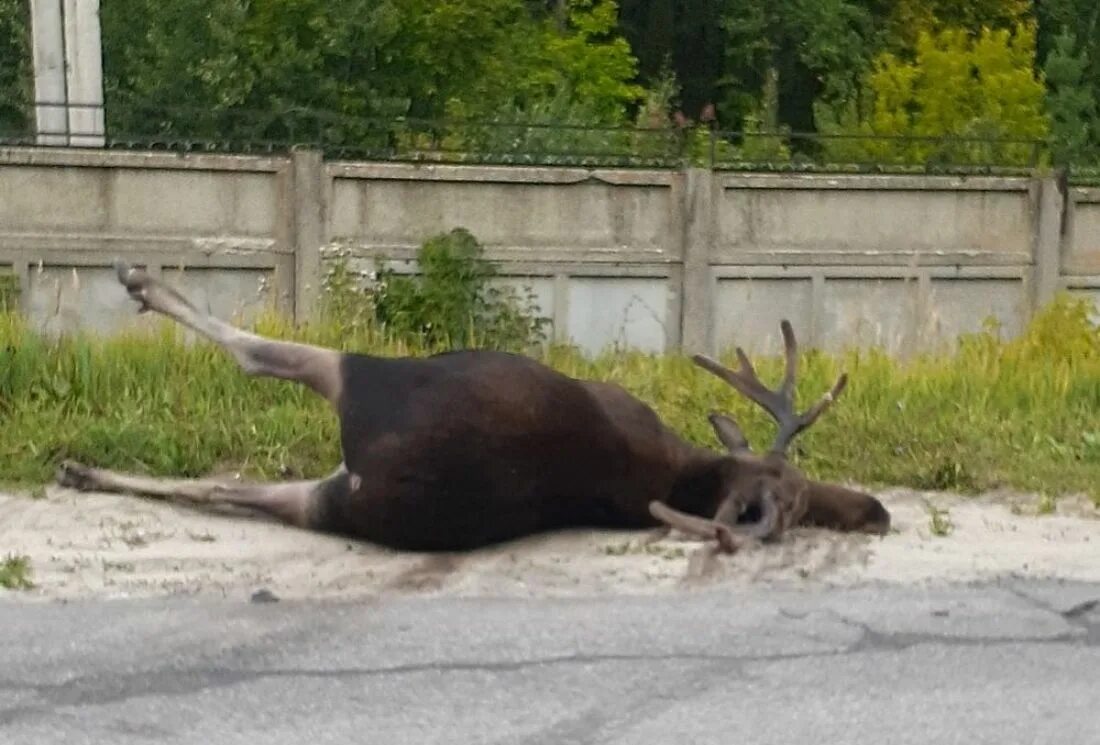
[1006, 663]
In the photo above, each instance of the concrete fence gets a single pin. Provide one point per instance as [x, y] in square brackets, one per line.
[653, 259]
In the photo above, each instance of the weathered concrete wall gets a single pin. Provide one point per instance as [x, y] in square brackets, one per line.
[1080, 260]
[601, 249]
[896, 261]
[650, 259]
[218, 224]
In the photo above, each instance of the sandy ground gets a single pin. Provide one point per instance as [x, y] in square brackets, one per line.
[121, 546]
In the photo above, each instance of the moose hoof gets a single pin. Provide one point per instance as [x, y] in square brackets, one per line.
[74, 475]
[136, 283]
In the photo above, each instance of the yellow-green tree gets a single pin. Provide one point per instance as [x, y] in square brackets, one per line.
[963, 99]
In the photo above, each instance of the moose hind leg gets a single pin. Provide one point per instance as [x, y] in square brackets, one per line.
[315, 367]
[297, 503]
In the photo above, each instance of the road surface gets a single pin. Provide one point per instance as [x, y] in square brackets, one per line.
[1005, 662]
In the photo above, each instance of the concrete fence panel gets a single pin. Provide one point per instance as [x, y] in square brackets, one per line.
[1080, 261]
[218, 222]
[651, 259]
[601, 249]
[896, 261]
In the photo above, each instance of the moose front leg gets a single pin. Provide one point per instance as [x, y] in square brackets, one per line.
[297, 503]
[315, 367]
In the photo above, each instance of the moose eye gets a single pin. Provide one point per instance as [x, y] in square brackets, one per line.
[752, 512]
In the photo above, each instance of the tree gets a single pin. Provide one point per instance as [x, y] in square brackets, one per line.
[957, 87]
[578, 62]
[1070, 102]
[683, 37]
[256, 70]
[15, 68]
[343, 70]
[1068, 47]
[541, 81]
[906, 20]
[789, 53]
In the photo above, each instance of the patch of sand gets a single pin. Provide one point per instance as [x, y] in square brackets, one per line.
[109, 545]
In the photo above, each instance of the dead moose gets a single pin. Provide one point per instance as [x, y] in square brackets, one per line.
[468, 448]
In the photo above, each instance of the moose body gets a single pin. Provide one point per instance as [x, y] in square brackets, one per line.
[465, 449]
[468, 448]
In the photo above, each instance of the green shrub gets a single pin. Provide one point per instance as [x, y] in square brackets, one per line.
[453, 301]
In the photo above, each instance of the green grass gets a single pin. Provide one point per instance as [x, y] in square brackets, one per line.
[15, 573]
[1023, 414]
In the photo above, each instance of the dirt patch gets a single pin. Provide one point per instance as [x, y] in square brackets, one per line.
[98, 544]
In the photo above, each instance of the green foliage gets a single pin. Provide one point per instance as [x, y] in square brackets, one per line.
[342, 70]
[791, 42]
[682, 35]
[558, 131]
[15, 67]
[1081, 17]
[228, 69]
[908, 19]
[957, 86]
[544, 82]
[375, 78]
[1070, 101]
[700, 146]
[453, 301]
[1057, 19]
[591, 59]
[516, 63]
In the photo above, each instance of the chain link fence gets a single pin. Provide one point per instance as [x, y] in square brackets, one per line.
[340, 136]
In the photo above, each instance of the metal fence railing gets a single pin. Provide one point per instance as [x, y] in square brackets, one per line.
[343, 136]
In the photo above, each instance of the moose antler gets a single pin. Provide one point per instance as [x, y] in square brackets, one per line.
[719, 529]
[780, 402]
[699, 527]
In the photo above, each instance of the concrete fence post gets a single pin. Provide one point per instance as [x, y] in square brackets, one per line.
[308, 231]
[1048, 241]
[700, 228]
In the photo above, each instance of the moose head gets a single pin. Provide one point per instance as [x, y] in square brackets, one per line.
[764, 493]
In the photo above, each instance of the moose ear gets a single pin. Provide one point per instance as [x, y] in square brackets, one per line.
[839, 508]
[729, 433]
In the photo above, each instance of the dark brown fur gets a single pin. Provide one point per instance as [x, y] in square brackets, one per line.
[466, 449]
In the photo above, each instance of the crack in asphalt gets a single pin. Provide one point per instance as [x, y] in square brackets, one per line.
[1077, 615]
[100, 690]
[1082, 620]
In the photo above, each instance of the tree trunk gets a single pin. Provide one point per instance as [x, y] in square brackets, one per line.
[770, 99]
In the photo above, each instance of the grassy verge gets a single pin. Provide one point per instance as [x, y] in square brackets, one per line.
[1023, 413]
